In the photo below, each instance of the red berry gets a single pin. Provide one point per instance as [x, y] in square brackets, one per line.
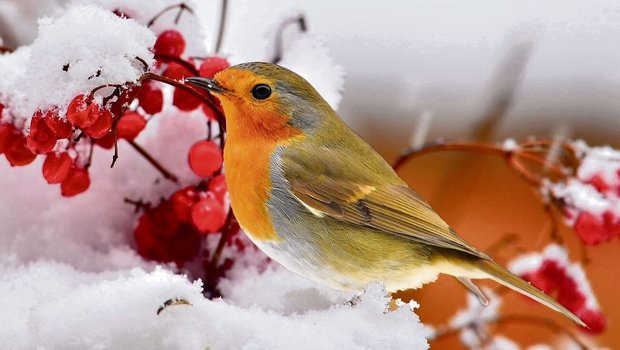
[217, 186]
[151, 98]
[102, 125]
[185, 245]
[570, 296]
[18, 153]
[148, 244]
[160, 236]
[612, 223]
[56, 167]
[61, 128]
[41, 138]
[130, 125]
[177, 71]
[182, 202]
[184, 100]
[208, 215]
[76, 182]
[212, 65]
[7, 134]
[591, 229]
[594, 319]
[169, 43]
[165, 220]
[205, 158]
[82, 112]
[106, 142]
[599, 183]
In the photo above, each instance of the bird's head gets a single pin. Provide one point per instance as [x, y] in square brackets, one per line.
[262, 97]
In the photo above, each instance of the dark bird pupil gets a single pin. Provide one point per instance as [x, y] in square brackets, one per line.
[261, 91]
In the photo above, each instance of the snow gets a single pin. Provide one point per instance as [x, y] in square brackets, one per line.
[604, 161]
[510, 145]
[322, 72]
[36, 78]
[53, 305]
[581, 196]
[579, 193]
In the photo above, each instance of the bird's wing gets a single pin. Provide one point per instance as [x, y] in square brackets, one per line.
[391, 207]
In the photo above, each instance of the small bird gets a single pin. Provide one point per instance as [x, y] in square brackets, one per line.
[319, 200]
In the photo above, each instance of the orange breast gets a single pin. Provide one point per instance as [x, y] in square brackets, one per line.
[252, 137]
[249, 185]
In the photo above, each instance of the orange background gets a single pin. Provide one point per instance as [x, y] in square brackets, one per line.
[483, 200]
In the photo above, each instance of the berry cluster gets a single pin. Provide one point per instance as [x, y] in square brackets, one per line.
[66, 135]
[172, 230]
[552, 273]
[591, 201]
[168, 49]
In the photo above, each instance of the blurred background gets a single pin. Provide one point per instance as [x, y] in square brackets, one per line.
[461, 70]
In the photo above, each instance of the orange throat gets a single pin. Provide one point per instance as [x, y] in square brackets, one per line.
[247, 161]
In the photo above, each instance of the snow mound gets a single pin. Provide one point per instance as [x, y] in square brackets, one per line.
[118, 310]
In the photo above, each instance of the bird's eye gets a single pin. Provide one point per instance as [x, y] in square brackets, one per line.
[261, 91]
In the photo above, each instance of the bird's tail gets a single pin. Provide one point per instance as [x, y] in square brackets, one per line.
[505, 277]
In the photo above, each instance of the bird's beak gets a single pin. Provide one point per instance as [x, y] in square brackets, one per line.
[208, 84]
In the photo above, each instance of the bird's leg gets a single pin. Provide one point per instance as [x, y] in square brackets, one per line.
[474, 289]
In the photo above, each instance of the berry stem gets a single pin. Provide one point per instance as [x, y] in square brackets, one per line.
[300, 20]
[145, 65]
[115, 135]
[181, 6]
[215, 259]
[165, 173]
[90, 154]
[91, 95]
[222, 27]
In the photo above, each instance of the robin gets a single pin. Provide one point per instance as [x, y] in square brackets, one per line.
[319, 200]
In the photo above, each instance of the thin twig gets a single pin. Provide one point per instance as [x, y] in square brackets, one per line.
[279, 46]
[504, 83]
[182, 7]
[165, 173]
[222, 28]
